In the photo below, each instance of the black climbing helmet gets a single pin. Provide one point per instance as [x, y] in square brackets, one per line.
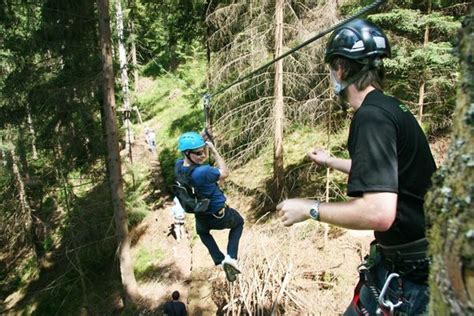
[359, 40]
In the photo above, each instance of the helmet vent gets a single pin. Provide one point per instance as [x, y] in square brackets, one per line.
[380, 42]
[358, 46]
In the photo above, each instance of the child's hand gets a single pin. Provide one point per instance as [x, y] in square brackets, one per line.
[211, 146]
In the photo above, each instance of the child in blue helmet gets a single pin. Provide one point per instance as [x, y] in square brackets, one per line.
[219, 215]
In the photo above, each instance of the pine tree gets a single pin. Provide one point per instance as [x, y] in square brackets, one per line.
[422, 69]
[113, 158]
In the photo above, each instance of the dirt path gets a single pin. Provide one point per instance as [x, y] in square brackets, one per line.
[172, 270]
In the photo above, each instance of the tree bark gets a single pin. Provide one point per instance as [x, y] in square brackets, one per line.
[25, 210]
[113, 157]
[278, 110]
[421, 96]
[134, 57]
[449, 209]
[124, 78]
[32, 133]
[133, 45]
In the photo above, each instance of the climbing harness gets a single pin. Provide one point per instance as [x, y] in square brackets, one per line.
[220, 213]
[385, 306]
[366, 279]
[409, 261]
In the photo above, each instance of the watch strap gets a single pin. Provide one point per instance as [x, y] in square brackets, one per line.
[314, 211]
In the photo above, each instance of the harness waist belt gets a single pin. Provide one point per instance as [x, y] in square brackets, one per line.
[221, 210]
[413, 251]
[220, 213]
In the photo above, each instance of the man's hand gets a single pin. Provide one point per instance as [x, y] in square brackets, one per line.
[319, 156]
[294, 211]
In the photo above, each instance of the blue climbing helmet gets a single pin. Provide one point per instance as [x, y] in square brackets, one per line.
[190, 141]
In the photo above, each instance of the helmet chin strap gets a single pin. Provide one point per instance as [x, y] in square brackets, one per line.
[188, 155]
[339, 87]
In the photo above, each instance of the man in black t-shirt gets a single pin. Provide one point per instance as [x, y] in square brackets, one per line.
[390, 169]
[175, 307]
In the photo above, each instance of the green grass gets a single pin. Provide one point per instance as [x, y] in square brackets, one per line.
[136, 189]
[28, 271]
[297, 142]
[145, 261]
[173, 103]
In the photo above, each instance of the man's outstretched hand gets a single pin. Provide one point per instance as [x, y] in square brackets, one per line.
[294, 211]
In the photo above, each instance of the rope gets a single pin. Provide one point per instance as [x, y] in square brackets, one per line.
[363, 11]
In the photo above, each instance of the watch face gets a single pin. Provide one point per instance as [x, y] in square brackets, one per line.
[313, 213]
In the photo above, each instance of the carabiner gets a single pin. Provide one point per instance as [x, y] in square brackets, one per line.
[387, 303]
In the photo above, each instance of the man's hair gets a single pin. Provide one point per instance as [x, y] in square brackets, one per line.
[175, 295]
[374, 76]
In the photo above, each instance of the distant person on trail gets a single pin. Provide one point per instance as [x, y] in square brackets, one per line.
[218, 215]
[390, 169]
[178, 216]
[150, 139]
[175, 307]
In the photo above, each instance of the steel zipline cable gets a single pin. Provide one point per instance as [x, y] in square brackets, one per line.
[363, 11]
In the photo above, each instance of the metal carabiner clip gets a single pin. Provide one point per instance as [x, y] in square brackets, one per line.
[387, 303]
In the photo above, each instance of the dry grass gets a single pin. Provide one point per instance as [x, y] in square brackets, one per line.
[291, 271]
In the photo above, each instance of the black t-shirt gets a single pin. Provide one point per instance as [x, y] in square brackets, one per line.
[390, 153]
[174, 308]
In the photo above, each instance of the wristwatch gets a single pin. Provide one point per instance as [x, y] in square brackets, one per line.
[314, 211]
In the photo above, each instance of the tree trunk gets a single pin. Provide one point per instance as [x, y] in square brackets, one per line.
[421, 92]
[32, 134]
[134, 56]
[421, 97]
[25, 210]
[124, 78]
[133, 45]
[113, 157]
[449, 209]
[278, 111]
